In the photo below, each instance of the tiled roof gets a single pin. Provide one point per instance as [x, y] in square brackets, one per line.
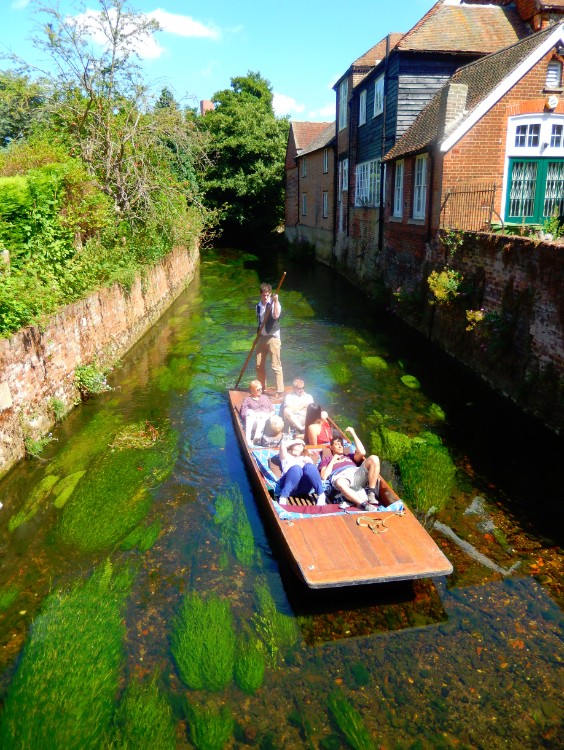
[378, 52]
[306, 132]
[481, 77]
[323, 140]
[472, 28]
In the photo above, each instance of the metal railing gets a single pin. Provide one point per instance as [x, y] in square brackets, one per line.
[468, 207]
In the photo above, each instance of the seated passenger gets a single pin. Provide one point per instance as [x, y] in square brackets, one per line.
[317, 429]
[255, 410]
[273, 432]
[295, 406]
[355, 477]
[299, 473]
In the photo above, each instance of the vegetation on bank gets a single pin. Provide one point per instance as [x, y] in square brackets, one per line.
[99, 179]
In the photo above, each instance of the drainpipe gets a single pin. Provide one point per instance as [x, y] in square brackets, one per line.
[335, 190]
[431, 177]
[383, 149]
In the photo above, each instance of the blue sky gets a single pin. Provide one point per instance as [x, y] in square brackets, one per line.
[301, 46]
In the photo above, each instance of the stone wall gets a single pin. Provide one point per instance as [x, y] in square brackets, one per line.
[37, 364]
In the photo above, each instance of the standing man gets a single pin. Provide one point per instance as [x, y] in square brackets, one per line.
[269, 339]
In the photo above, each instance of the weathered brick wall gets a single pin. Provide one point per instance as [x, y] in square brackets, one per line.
[518, 282]
[313, 185]
[38, 363]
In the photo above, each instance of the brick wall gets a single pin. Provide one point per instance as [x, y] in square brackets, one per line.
[38, 363]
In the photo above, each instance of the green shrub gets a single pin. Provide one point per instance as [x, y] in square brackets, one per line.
[144, 719]
[350, 722]
[203, 642]
[389, 444]
[427, 474]
[64, 688]
[90, 379]
[59, 408]
[209, 727]
[249, 665]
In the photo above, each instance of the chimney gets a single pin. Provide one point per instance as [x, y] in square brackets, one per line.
[206, 106]
[451, 107]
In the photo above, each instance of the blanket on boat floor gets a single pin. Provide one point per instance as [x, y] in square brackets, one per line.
[262, 458]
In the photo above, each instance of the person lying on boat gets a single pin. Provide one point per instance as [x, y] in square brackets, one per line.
[255, 410]
[317, 429]
[299, 474]
[295, 406]
[351, 474]
[273, 432]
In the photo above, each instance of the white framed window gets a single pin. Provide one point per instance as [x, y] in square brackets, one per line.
[343, 103]
[554, 75]
[304, 204]
[367, 183]
[378, 96]
[536, 135]
[325, 197]
[398, 190]
[304, 166]
[420, 187]
[344, 172]
[325, 160]
[362, 108]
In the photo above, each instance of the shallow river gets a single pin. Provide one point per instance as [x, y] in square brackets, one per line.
[142, 605]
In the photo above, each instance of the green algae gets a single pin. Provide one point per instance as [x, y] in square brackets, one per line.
[63, 692]
[374, 364]
[64, 489]
[142, 538]
[7, 597]
[427, 475]
[351, 349]
[114, 496]
[350, 722]
[144, 719]
[437, 413]
[240, 345]
[236, 532]
[203, 642]
[340, 373]
[216, 436]
[389, 444]
[175, 376]
[277, 631]
[85, 445]
[34, 502]
[250, 664]
[210, 727]
[410, 381]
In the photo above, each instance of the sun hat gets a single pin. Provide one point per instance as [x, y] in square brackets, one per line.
[295, 441]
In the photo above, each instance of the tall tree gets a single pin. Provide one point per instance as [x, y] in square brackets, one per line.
[21, 101]
[244, 180]
[103, 106]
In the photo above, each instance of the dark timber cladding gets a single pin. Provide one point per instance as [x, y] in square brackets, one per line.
[330, 548]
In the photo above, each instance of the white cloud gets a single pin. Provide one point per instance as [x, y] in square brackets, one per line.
[173, 23]
[285, 105]
[19, 4]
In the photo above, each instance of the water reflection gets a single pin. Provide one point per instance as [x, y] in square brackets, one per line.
[473, 661]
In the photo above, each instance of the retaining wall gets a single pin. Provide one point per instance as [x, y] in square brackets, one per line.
[37, 364]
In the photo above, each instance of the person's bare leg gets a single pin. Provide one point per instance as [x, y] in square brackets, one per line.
[372, 465]
[344, 487]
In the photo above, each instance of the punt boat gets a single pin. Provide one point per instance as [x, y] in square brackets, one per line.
[328, 547]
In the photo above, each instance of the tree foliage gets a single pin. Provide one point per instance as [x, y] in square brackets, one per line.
[21, 102]
[244, 179]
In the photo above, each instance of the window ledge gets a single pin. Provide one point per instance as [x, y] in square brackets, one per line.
[396, 219]
[553, 90]
[417, 222]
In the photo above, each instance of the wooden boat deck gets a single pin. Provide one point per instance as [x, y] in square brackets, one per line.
[332, 548]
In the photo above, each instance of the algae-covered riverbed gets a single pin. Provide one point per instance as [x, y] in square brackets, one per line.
[143, 606]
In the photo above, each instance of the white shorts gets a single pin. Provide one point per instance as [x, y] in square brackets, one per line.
[356, 476]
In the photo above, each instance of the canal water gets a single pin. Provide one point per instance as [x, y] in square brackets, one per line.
[143, 605]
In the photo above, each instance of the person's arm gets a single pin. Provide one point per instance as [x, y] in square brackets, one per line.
[276, 307]
[359, 447]
[283, 452]
[325, 470]
[313, 433]
[244, 408]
